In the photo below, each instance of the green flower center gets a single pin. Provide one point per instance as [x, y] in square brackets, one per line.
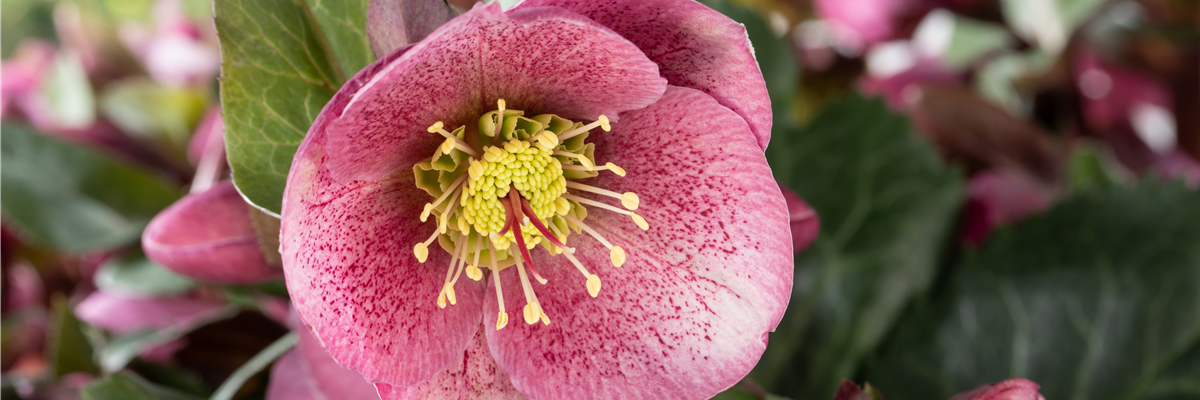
[508, 183]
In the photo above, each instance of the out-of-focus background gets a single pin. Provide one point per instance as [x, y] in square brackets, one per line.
[1002, 188]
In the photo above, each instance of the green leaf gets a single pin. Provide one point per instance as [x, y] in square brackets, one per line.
[123, 349]
[1098, 299]
[278, 71]
[972, 39]
[23, 19]
[1048, 24]
[887, 204]
[140, 277]
[344, 23]
[127, 386]
[72, 198]
[68, 348]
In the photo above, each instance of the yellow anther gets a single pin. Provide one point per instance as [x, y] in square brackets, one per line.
[547, 140]
[617, 255]
[441, 301]
[500, 103]
[630, 200]
[586, 162]
[593, 285]
[447, 146]
[449, 291]
[421, 250]
[501, 320]
[463, 226]
[476, 168]
[492, 154]
[604, 123]
[641, 222]
[437, 126]
[545, 319]
[561, 206]
[474, 273]
[615, 169]
[533, 313]
[425, 213]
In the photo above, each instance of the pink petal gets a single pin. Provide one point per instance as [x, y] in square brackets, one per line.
[476, 376]
[693, 46]
[1011, 389]
[538, 60]
[122, 315]
[22, 72]
[349, 266]
[1000, 197]
[209, 136]
[804, 220]
[688, 314]
[329, 378]
[873, 20]
[208, 236]
[290, 380]
[392, 24]
[895, 88]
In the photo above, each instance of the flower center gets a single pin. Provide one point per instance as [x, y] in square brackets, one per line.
[509, 182]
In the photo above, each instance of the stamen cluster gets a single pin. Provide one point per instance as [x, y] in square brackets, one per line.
[514, 189]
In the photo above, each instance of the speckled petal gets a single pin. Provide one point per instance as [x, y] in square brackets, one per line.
[541, 60]
[1009, 389]
[688, 314]
[209, 236]
[349, 266]
[693, 46]
[476, 376]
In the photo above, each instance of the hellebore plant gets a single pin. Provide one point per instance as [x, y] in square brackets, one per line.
[624, 138]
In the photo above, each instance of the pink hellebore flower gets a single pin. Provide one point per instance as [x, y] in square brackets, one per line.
[176, 52]
[209, 236]
[124, 315]
[504, 102]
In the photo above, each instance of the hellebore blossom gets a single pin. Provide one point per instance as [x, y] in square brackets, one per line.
[594, 169]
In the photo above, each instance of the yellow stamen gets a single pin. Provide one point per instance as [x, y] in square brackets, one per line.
[452, 142]
[587, 163]
[607, 166]
[590, 231]
[615, 169]
[533, 312]
[502, 318]
[421, 250]
[449, 290]
[474, 273]
[628, 199]
[547, 140]
[591, 202]
[593, 285]
[641, 222]
[617, 256]
[425, 213]
[602, 122]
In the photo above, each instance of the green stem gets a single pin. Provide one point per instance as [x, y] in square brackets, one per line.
[247, 370]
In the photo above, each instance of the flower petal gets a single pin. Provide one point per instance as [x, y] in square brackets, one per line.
[1009, 389]
[693, 46]
[392, 24]
[349, 266]
[538, 60]
[804, 220]
[329, 378]
[121, 314]
[476, 376]
[209, 236]
[290, 380]
[688, 314]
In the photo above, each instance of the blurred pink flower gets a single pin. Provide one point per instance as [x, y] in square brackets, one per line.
[805, 223]
[175, 52]
[122, 315]
[999, 197]
[1010, 389]
[873, 21]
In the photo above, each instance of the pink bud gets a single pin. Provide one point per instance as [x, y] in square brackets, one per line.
[805, 222]
[1011, 389]
[209, 236]
[997, 198]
